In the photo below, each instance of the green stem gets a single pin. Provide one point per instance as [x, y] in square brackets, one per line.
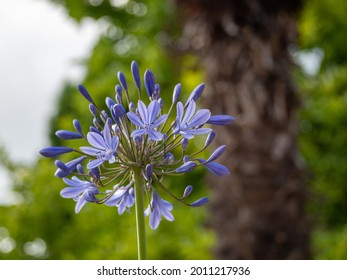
[140, 215]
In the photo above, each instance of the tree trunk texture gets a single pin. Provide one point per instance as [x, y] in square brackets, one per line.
[258, 212]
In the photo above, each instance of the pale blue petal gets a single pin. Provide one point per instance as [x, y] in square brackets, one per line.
[153, 111]
[96, 140]
[155, 135]
[200, 118]
[189, 112]
[79, 205]
[135, 119]
[90, 151]
[159, 121]
[70, 192]
[180, 111]
[138, 132]
[95, 163]
[198, 131]
[143, 112]
[154, 219]
[107, 137]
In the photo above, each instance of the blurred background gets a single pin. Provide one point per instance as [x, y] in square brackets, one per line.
[279, 68]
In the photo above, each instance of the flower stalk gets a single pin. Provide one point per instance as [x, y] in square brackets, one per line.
[140, 216]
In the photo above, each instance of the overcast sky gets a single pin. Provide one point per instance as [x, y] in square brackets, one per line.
[39, 50]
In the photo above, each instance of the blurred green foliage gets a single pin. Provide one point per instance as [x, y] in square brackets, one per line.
[323, 138]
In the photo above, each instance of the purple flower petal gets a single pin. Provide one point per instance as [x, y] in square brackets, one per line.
[160, 120]
[180, 111]
[95, 163]
[135, 119]
[189, 111]
[142, 111]
[96, 140]
[153, 111]
[155, 135]
[138, 132]
[71, 192]
[200, 118]
[90, 151]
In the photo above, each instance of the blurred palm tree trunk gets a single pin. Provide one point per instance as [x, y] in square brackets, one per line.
[259, 211]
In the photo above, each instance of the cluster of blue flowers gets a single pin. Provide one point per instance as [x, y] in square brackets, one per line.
[137, 137]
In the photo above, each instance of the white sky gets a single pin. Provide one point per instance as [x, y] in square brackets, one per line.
[39, 50]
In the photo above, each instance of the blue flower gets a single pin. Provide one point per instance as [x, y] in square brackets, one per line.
[123, 198]
[158, 208]
[147, 120]
[188, 124]
[81, 192]
[105, 147]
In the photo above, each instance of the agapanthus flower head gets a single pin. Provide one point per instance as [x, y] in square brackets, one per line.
[136, 136]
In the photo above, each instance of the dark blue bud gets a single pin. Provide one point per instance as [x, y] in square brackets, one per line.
[80, 169]
[149, 171]
[136, 74]
[94, 129]
[109, 102]
[156, 92]
[94, 173]
[96, 122]
[65, 169]
[186, 167]
[176, 93]
[169, 157]
[118, 111]
[93, 110]
[188, 190]
[149, 81]
[185, 159]
[68, 135]
[200, 202]
[210, 138]
[61, 165]
[54, 151]
[196, 93]
[122, 80]
[184, 144]
[221, 120]
[77, 126]
[104, 115]
[85, 93]
[118, 89]
[161, 103]
[132, 107]
[217, 153]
